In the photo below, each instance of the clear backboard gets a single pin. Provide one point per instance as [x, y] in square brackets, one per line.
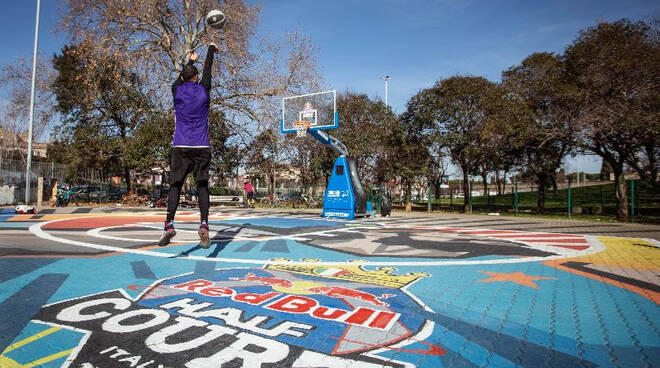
[318, 110]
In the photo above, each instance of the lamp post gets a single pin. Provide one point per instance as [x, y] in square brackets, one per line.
[34, 77]
[386, 79]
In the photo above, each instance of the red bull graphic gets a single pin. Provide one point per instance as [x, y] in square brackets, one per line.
[339, 292]
[333, 291]
[291, 317]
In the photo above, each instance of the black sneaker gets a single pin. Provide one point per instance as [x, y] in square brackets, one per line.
[168, 234]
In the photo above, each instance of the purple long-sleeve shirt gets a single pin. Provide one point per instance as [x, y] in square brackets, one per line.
[191, 109]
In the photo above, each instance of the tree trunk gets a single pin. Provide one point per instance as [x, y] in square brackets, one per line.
[484, 179]
[540, 198]
[497, 181]
[436, 186]
[504, 183]
[555, 188]
[127, 178]
[621, 196]
[408, 195]
[466, 193]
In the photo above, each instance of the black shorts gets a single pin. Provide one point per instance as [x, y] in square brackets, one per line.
[250, 195]
[186, 160]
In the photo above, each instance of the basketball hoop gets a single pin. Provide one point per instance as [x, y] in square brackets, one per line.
[301, 127]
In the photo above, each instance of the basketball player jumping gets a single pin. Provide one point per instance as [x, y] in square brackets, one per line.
[191, 149]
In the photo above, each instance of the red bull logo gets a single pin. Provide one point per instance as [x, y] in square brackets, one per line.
[302, 287]
[288, 302]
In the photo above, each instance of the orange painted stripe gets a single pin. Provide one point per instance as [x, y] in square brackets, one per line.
[648, 294]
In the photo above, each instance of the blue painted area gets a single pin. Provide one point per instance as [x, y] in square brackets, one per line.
[60, 340]
[16, 224]
[567, 321]
[278, 222]
[12, 268]
[142, 271]
[17, 310]
[277, 245]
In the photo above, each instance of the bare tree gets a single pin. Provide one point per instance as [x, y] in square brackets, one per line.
[156, 35]
[14, 115]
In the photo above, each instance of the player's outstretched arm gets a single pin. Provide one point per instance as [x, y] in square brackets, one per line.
[192, 57]
[208, 63]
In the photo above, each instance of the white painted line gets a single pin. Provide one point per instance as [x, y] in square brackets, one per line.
[595, 246]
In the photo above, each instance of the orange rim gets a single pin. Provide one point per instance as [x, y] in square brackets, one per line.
[302, 123]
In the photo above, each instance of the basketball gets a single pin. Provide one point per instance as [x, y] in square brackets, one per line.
[215, 19]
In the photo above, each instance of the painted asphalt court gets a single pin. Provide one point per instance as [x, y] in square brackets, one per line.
[289, 289]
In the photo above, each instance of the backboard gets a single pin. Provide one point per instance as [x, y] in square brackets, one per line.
[319, 109]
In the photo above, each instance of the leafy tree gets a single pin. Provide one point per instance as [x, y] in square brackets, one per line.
[265, 157]
[455, 111]
[321, 162]
[100, 100]
[540, 83]
[225, 153]
[363, 124]
[436, 168]
[151, 143]
[406, 154]
[615, 67]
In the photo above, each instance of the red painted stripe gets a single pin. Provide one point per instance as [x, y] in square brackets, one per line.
[360, 316]
[538, 236]
[382, 319]
[484, 232]
[576, 247]
[576, 240]
[454, 228]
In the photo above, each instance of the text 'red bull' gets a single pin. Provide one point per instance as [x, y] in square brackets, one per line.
[298, 304]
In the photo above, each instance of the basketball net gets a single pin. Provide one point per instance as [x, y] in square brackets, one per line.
[301, 127]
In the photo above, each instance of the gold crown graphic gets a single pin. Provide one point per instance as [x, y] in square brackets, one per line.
[380, 276]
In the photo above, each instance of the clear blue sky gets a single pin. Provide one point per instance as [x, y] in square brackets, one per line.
[417, 42]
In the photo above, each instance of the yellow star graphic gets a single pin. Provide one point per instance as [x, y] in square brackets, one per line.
[517, 277]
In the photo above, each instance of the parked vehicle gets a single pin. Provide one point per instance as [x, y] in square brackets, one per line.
[116, 195]
[92, 194]
[65, 196]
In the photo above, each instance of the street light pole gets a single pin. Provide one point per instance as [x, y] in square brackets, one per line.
[386, 79]
[28, 169]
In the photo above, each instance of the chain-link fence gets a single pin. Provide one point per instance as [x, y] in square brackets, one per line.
[13, 182]
[570, 200]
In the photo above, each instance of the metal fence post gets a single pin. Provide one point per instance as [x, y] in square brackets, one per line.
[470, 197]
[515, 196]
[632, 200]
[602, 200]
[451, 197]
[570, 209]
[429, 192]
